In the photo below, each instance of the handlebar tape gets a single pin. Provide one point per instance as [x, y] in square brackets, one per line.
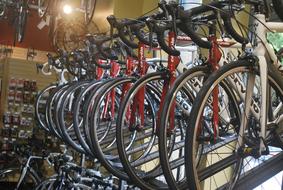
[186, 25]
[103, 51]
[159, 30]
[137, 31]
[205, 8]
[106, 55]
[122, 35]
[121, 30]
[187, 28]
[228, 26]
[130, 52]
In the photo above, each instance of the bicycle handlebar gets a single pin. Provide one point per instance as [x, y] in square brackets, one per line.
[225, 16]
[121, 29]
[228, 26]
[135, 25]
[99, 41]
[54, 62]
[160, 30]
[136, 28]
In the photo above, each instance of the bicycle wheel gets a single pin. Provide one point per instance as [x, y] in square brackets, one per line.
[86, 109]
[69, 36]
[21, 20]
[89, 10]
[178, 101]
[63, 114]
[217, 160]
[102, 113]
[30, 180]
[137, 119]
[40, 103]
[78, 122]
[49, 110]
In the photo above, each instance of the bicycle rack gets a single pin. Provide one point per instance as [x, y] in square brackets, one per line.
[260, 174]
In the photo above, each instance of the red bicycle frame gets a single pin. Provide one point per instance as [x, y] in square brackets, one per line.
[138, 101]
[99, 70]
[115, 68]
[214, 58]
[173, 62]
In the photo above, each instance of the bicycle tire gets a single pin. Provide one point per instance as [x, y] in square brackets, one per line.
[81, 97]
[173, 175]
[96, 144]
[194, 175]
[147, 178]
[41, 119]
[85, 107]
[49, 110]
[61, 106]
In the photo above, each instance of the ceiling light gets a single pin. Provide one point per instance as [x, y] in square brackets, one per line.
[67, 9]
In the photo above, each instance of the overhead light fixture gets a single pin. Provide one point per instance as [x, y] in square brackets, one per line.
[67, 9]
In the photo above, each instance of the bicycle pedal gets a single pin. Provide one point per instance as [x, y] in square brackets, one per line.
[248, 151]
[252, 151]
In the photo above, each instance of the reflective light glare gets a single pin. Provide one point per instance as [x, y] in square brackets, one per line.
[67, 9]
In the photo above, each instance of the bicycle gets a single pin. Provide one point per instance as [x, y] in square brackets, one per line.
[20, 11]
[81, 113]
[24, 168]
[21, 19]
[247, 76]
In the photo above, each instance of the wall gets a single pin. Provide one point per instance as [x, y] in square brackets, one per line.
[103, 9]
[39, 39]
[24, 69]
[133, 8]
[35, 38]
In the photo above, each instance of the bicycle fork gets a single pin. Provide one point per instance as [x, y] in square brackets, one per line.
[138, 104]
[263, 71]
[173, 62]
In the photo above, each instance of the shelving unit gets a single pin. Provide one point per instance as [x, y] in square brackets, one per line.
[20, 84]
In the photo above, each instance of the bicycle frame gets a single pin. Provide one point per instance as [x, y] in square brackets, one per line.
[115, 68]
[25, 169]
[262, 48]
[214, 58]
[99, 70]
[129, 70]
[139, 97]
[173, 62]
